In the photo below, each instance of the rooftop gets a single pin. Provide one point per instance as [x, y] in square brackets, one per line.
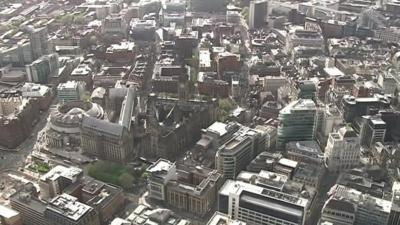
[69, 206]
[299, 105]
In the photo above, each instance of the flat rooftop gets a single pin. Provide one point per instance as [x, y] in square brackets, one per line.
[68, 206]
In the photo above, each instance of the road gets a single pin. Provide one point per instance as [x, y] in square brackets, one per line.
[328, 181]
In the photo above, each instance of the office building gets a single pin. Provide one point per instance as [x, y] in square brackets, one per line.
[160, 173]
[42, 93]
[373, 129]
[296, 122]
[57, 179]
[186, 188]
[356, 107]
[234, 155]
[106, 140]
[256, 205]
[69, 91]
[67, 210]
[258, 12]
[42, 69]
[343, 150]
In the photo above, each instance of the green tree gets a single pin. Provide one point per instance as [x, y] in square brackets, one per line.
[126, 180]
[225, 106]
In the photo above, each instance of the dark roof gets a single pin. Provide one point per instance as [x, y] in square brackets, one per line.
[341, 205]
[102, 126]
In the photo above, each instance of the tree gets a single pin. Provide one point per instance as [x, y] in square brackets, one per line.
[126, 180]
[225, 106]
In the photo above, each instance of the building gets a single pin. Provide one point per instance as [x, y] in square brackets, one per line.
[394, 217]
[106, 140]
[356, 107]
[387, 82]
[67, 210]
[43, 94]
[220, 218]
[338, 212]
[42, 69]
[69, 91]
[160, 173]
[343, 150]
[195, 191]
[31, 208]
[207, 6]
[160, 216]
[9, 216]
[297, 122]
[57, 180]
[64, 127]
[349, 206]
[106, 199]
[18, 116]
[114, 26]
[265, 179]
[234, 155]
[373, 129]
[305, 151]
[143, 29]
[179, 125]
[391, 34]
[258, 12]
[331, 119]
[299, 38]
[256, 205]
[186, 188]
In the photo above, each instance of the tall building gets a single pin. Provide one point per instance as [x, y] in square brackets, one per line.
[373, 129]
[258, 12]
[41, 70]
[256, 205]
[39, 41]
[106, 140]
[68, 91]
[296, 122]
[343, 150]
[236, 153]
